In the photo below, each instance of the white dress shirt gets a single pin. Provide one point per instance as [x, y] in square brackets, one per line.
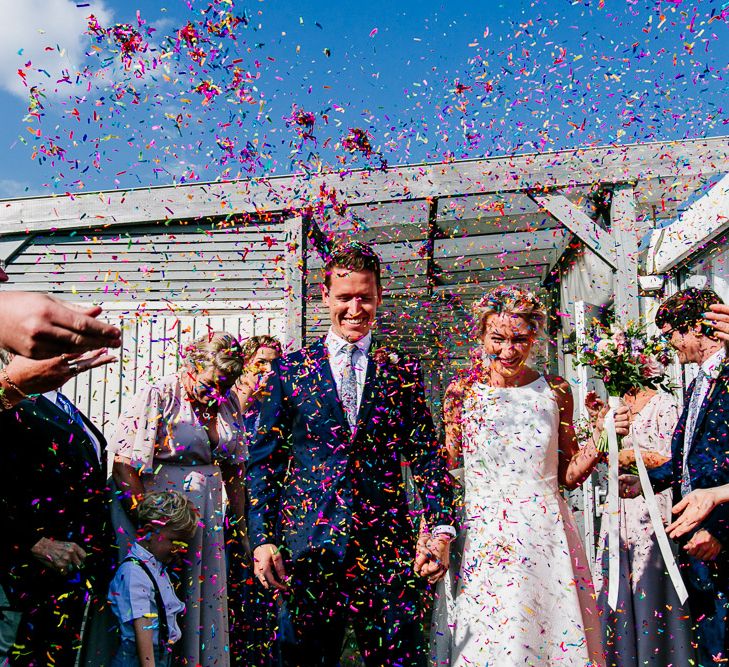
[336, 349]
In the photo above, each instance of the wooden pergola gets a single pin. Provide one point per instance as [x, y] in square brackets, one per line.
[443, 230]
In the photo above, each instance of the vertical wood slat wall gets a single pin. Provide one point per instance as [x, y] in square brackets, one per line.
[164, 285]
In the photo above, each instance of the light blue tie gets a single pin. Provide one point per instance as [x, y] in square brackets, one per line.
[70, 409]
[348, 386]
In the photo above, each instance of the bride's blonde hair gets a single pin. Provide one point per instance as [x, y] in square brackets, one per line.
[511, 300]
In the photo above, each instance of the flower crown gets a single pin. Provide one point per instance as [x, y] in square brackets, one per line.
[507, 300]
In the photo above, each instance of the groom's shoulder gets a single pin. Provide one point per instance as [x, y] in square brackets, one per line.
[304, 356]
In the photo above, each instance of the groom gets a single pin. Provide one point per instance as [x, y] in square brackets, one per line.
[328, 517]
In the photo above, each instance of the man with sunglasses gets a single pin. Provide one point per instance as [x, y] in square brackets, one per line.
[700, 460]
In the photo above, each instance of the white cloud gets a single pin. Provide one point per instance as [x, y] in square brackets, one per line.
[10, 187]
[49, 34]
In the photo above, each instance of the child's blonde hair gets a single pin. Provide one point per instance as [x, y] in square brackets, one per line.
[169, 509]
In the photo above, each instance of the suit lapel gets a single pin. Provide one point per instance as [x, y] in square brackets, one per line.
[320, 358]
[51, 413]
[99, 436]
[713, 382]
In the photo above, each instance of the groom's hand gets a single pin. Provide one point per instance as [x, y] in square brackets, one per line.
[432, 557]
[268, 566]
[703, 545]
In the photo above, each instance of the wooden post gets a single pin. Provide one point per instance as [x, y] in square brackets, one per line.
[295, 290]
[588, 487]
[430, 244]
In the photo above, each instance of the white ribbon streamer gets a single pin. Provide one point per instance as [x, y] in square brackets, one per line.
[657, 520]
[613, 505]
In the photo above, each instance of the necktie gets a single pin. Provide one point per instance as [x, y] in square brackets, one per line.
[70, 409]
[348, 386]
[693, 413]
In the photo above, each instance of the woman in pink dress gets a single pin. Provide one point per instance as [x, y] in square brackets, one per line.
[184, 433]
[649, 625]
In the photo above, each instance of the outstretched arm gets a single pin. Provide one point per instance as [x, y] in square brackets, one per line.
[429, 465]
[575, 464]
[695, 507]
[428, 461]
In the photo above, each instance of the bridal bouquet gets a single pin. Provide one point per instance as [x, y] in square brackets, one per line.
[626, 359]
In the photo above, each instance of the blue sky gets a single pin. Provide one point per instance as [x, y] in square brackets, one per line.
[426, 81]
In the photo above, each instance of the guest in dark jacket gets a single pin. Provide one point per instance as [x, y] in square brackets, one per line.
[56, 554]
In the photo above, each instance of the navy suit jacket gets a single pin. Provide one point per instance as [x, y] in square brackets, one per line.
[55, 487]
[313, 486]
[708, 458]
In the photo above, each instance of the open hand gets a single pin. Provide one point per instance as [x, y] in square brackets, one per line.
[719, 319]
[693, 508]
[40, 326]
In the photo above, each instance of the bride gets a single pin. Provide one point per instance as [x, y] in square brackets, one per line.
[524, 595]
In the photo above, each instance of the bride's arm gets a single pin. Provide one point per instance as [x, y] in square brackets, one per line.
[575, 464]
[452, 404]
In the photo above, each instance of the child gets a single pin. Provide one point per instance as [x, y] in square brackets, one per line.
[141, 594]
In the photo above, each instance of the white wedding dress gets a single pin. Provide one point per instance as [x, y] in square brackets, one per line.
[523, 594]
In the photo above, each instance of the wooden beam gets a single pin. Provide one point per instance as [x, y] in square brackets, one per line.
[699, 224]
[486, 244]
[497, 260]
[580, 224]
[584, 166]
[12, 246]
[430, 245]
[560, 251]
[515, 222]
[316, 238]
[624, 233]
[389, 253]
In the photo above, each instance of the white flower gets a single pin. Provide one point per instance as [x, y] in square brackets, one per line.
[393, 358]
[603, 347]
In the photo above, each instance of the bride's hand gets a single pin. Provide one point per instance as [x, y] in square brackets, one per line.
[432, 557]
